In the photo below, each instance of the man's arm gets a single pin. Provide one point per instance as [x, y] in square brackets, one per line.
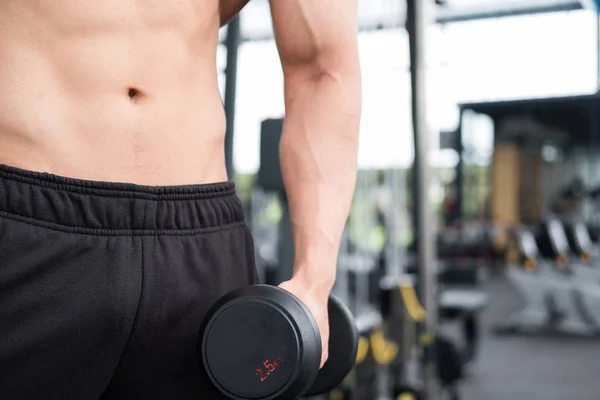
[317, 43]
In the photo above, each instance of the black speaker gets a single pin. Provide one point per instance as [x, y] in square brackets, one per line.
[269, 173]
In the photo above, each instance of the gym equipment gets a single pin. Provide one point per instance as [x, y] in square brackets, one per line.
[464, 304]
[574, 190]
[461, 299]
[261, 343]
[405, 308]
[362, 383]
[471, 241]
[270, 179]
[263, 213]
[549, 292]
[555, 242]
[406, 347]
[269, 176]
[586, 276]
[532, 282]
[449, 365]
[581, 242]
[356, 277]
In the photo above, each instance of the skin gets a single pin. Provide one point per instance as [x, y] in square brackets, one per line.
[126, 91]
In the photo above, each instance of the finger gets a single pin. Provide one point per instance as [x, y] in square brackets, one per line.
[324, 356]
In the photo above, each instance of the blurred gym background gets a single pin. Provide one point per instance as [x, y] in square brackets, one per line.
[469, 258]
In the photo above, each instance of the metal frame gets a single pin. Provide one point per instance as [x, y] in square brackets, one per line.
[459, 177]
[417, 22]
[446, 14]
[505, 8]
[598, 49]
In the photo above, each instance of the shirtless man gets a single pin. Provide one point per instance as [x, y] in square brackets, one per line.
[118, 229]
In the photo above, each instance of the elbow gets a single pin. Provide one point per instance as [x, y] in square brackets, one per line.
[325, 95]
[336, 77]
[333, 63]
[346, 77]
[339, 59]
[343, 70]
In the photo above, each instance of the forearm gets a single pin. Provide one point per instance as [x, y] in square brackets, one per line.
[319, 151]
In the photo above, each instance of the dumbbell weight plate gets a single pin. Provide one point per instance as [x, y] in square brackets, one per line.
[343, 348]
[260, 343]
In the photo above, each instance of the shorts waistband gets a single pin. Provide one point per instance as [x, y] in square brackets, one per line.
[92, 206]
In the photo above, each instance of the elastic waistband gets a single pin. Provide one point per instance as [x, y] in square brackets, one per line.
[91, 206]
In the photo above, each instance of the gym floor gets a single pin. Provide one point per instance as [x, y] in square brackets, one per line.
[530, 367]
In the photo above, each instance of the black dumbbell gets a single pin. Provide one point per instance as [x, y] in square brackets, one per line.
[261, 343]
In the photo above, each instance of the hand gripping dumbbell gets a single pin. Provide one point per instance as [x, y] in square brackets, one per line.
[262, 343]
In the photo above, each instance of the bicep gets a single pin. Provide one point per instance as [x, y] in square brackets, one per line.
[320, 33]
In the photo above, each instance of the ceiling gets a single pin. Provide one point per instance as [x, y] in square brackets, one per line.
[568, 122]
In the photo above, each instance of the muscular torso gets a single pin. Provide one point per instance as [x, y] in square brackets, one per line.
[113, 90]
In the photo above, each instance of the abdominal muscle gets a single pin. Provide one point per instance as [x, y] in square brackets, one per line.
[116, 90]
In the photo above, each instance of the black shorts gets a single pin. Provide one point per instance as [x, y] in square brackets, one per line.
[103, 286]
